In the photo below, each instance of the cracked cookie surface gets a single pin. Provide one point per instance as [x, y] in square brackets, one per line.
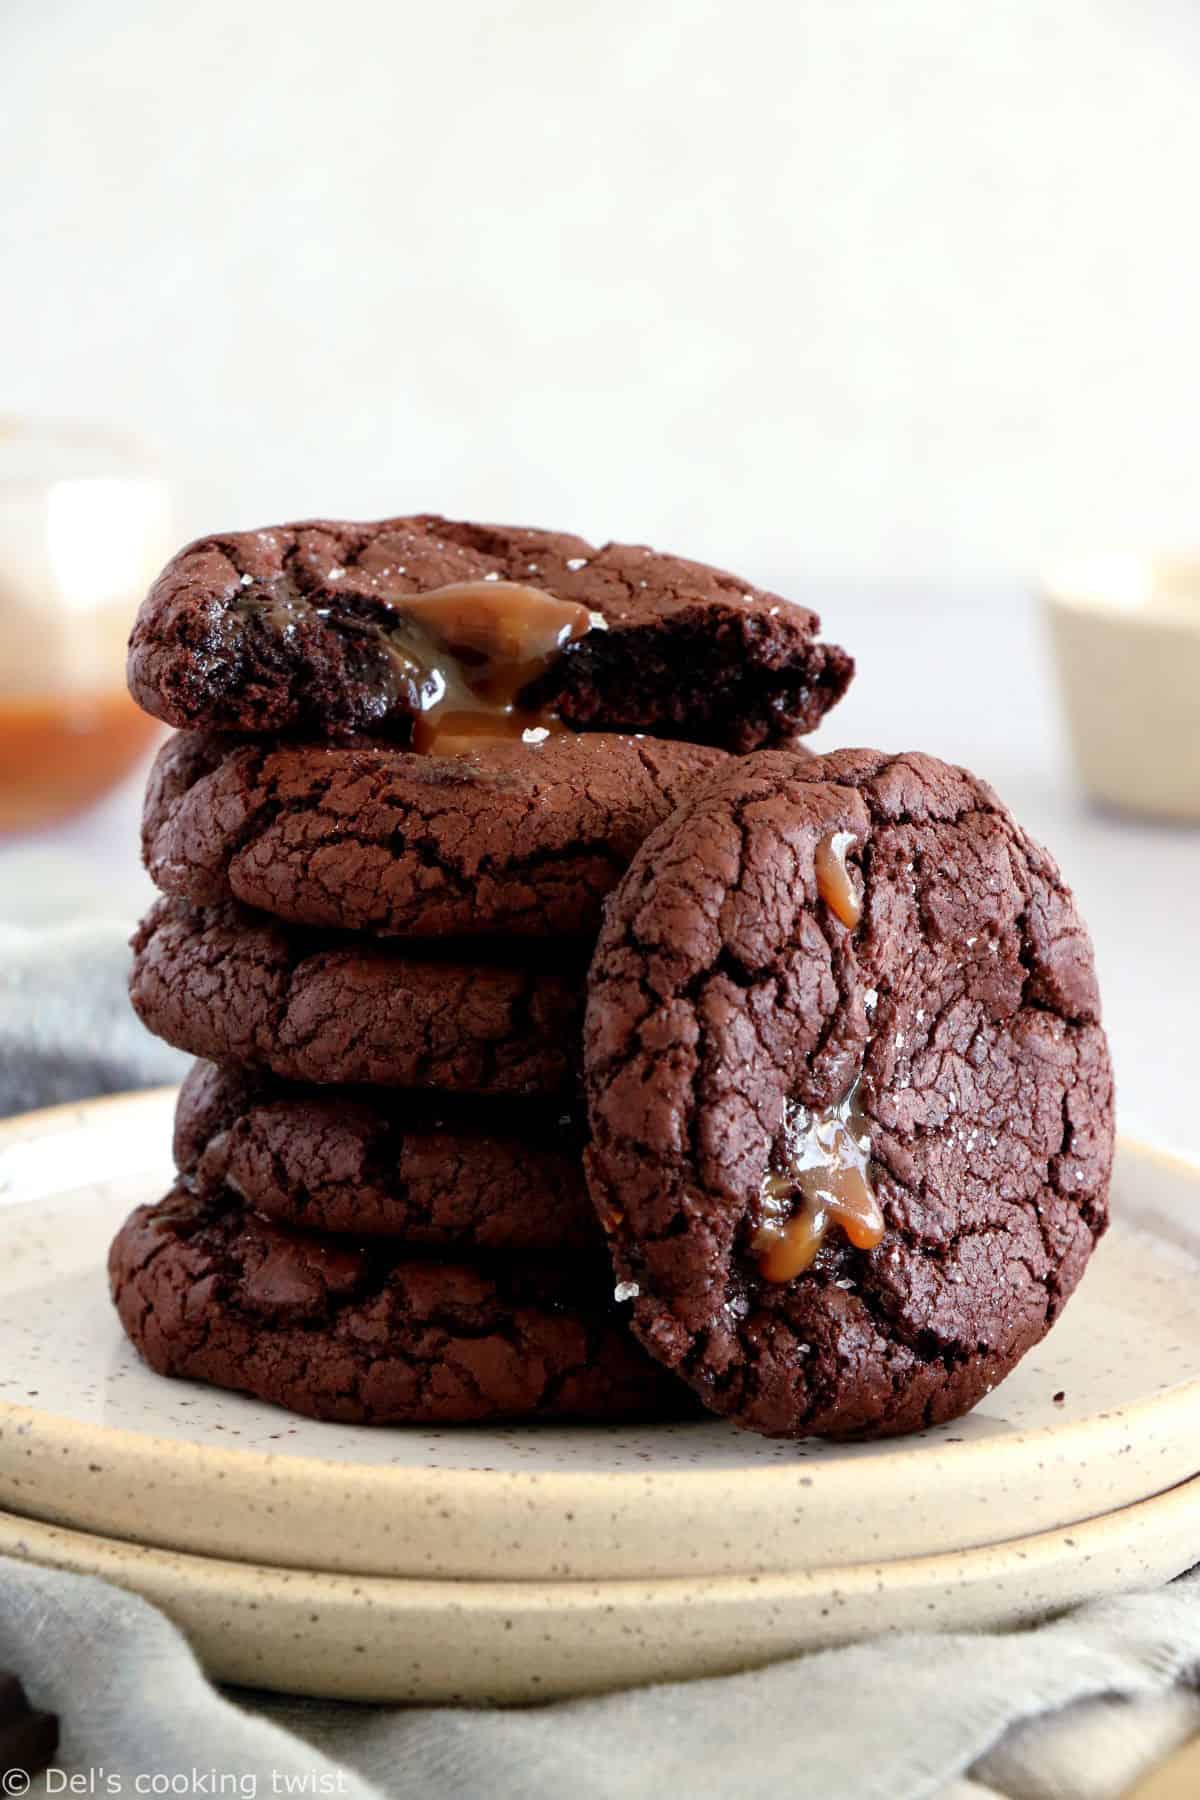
[228, 985]
[466, 1177]
[285, 630]
[366, 1335]
[964, 1003]
[515, 839]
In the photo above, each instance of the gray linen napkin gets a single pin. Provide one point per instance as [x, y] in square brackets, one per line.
[889, 1720]
[67, 1030]
[1075, 1710]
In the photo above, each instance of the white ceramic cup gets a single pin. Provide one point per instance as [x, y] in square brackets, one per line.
[1126, 637]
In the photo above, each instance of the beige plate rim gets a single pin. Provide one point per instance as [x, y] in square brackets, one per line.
[484, 1500]
[300, 1631]
[138, 1444]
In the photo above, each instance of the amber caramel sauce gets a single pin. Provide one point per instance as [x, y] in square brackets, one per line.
[502, 625]
[474, 646]
[820, 1178]
[447, 731]
[60, 753]
[834, 883]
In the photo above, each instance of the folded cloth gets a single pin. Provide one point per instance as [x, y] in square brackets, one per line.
[1074, 1710]
[889, 1720]
[67, 1030]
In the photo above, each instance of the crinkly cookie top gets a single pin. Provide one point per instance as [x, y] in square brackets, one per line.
[332, 629]
[851, 1104]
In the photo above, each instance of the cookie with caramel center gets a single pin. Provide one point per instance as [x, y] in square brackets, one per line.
[325, 629]
[850, 1099]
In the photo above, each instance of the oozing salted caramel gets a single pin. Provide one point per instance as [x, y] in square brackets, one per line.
[471, 648]
[819, 1178]
[834, 883]
[461, 653]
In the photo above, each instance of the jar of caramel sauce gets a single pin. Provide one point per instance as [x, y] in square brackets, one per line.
[84, 527]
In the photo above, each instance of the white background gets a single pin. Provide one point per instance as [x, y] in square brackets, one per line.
[877, 301]
[817, 286]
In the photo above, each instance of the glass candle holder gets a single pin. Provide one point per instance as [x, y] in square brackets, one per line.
[85, 525]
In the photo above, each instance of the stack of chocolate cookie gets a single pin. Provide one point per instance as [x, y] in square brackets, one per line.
[412, 759]
[466, 827]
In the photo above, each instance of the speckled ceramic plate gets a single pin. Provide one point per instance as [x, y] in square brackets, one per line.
[367, 1638]
[1104, 1414]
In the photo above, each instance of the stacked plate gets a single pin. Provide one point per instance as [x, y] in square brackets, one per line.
[531, 1563]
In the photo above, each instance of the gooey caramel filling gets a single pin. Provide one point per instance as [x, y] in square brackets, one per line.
[819, 1179]
[471, 648]
[834, 882]
[465, 651]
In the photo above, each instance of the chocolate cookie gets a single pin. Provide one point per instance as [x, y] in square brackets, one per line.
[359, 1334]
[850, 1100]
[510, 838]
[226, 984]
[458, 1176]
[304, 629]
